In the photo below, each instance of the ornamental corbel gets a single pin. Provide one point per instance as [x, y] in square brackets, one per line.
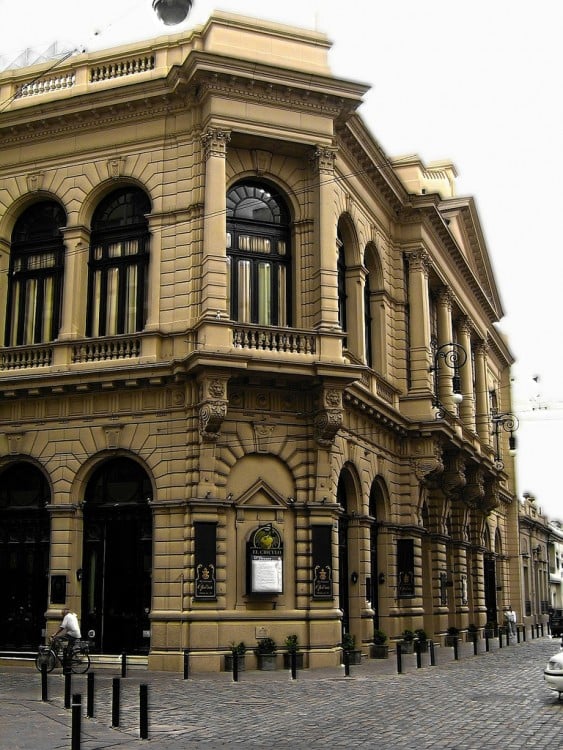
[453, 479]
[212, 407]
[474, 490]
[328, 420]
[427, 462]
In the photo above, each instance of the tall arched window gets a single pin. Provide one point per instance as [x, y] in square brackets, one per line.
[119, 259]
[36, 275]
[341, 274]
[368, 333]
[258, 251]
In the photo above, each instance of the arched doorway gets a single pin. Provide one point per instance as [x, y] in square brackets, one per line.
[343, 565]
[376, 509]
[117, 558]
[24, 556]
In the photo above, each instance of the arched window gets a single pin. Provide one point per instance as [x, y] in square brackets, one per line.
[341, 274]
[119, 258]
[368, 333]
[36, 275]
[258, 251]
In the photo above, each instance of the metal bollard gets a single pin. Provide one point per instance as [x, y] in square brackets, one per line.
[518, 634]
[475, 646]
[143, 712]
[44, 690]
[399, 659]
[508, 636]
[90, 695]
[293, 662]
[186, 664]
[500, 637]
[524, 633]
[115, 702]
[418, 654]
[346, 663]
[541, 629]
[456, 648]
[68, 688]
[235, 667]
[124, 664]
[76, 721]
[487, 646]
[432, 655]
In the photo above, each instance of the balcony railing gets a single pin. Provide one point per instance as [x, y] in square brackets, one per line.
[100, 350]
[281, 340]
[25, 357]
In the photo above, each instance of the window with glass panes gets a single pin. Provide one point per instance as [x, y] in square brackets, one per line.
[258, 253]
[119, 257]
[36, 275]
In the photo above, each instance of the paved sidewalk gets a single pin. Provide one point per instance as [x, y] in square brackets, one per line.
[496, 700]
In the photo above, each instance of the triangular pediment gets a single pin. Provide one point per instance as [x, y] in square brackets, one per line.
[261, 495]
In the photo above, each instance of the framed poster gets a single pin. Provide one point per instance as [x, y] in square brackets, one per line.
[265, 561]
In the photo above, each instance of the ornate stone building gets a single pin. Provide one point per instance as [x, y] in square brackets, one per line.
[235, 335]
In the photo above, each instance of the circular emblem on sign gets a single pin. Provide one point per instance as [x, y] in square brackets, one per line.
[266, 537]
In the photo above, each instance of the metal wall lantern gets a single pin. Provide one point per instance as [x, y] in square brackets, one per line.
[509, 423]
[453, 356]
[172, 12]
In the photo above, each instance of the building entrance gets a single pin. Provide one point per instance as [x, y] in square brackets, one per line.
[117, 562]
[24, 556]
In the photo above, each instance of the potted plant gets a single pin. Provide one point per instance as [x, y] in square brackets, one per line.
[292, 647]
[407, 642]
[238, 650]
[380, 649]
[472, 633]
[349, 647]
[421, 640]
[452, 635]
[266, 654]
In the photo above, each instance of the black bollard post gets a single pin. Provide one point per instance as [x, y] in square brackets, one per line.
[524, 633]
[187, 663]
[399, 659]
[537, 630]
[475, 646]
[508, 636]
[90, 695]
[500, 637]
[68, 688]
[346, 663]
[143, 712]
[518, 634]
[235, 667]
[541, 628]
[115, 702]
[456, 648]
[76, 721]
[487, 646]
[418, 654]
[124, 664]
[44, 690]
[293, 661]
[432, 655]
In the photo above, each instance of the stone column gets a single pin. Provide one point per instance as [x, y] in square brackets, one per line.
[324, 283]
[355, 283]
[482, 420]
[467, 409]
[214, 261]
[75, 282]
[419, 323]
[445, 364]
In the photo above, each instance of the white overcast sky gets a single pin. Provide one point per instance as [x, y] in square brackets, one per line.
[478, 83]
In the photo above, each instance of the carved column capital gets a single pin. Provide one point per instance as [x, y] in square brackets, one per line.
[324, 157]
[215, 142]
[328, 419]
[427, 461]
[212, 407]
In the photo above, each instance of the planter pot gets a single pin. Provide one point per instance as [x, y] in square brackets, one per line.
[267, 662]
[379, 651]
[229, 662]
[354, 657]
[407, 647]
[298, 660]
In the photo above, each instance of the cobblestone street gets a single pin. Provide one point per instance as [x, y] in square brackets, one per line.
[496, 699]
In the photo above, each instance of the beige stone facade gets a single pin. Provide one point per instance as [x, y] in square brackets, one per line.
[282, 409]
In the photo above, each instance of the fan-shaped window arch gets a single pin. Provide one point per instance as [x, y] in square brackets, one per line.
[36, 275]
[259, 257]
[119, 258]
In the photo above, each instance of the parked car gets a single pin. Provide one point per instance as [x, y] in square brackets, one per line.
[553, 673]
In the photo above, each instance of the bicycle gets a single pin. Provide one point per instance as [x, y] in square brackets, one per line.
[53, 654]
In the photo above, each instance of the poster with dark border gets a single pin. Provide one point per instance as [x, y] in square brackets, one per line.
[205, 556]
[322, 562]
[405, 568]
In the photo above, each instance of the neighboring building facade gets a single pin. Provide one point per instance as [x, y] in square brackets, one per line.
[536, 549]
[234, 336]
[555, 554]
